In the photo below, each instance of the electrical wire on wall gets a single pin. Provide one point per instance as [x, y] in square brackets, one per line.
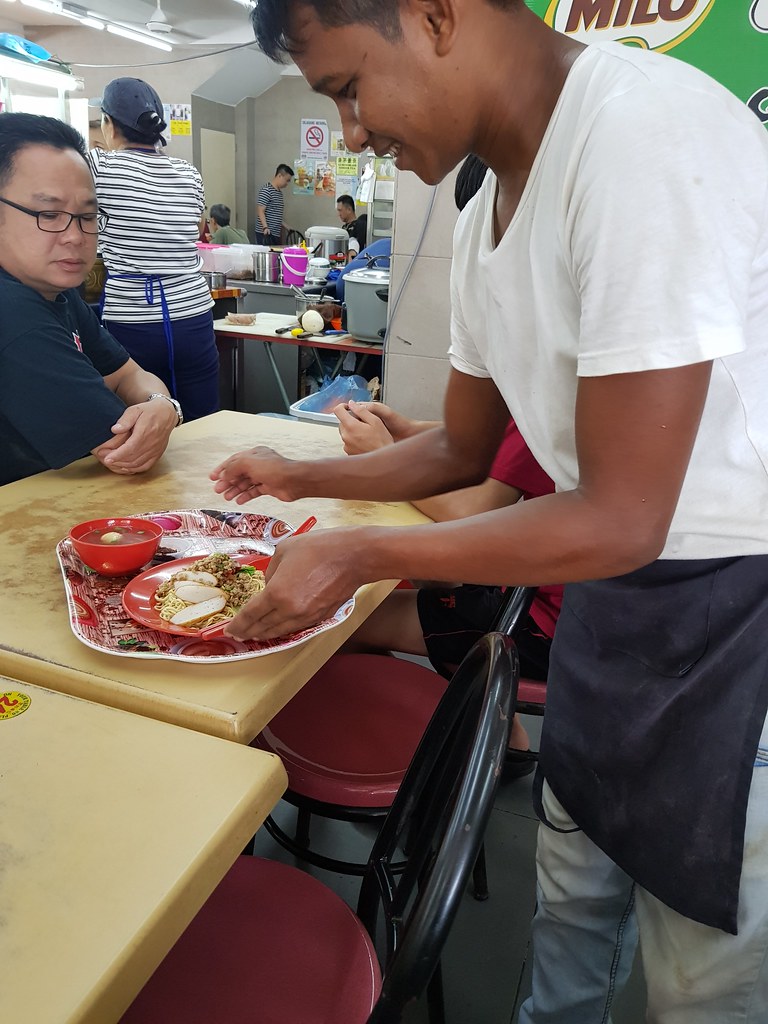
[411, 262]
[163, 63]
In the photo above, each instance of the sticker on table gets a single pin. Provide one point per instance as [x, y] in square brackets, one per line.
[13, 703]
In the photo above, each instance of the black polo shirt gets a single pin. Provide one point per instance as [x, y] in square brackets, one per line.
[54, 404]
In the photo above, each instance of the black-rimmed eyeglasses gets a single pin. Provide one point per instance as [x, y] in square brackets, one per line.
[57, 221]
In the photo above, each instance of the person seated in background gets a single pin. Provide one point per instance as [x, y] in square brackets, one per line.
[356, 227]
[221, 231]
[66, 386]
[442, 622]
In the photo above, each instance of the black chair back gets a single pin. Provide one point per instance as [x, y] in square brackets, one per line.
[438, 818]
[516, 605]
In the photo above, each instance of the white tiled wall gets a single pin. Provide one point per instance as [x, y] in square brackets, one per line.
[423, 379]
[419, 306]
[412, 203]
[416, 366]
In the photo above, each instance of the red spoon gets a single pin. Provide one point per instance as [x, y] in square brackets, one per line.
[305, 526]
[260, 561]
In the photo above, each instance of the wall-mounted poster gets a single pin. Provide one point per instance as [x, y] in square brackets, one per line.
[347, 180]
[338, 147]
[724, 38]
[303, 180]
[347, 165]
[315, 139]
[325, 178]
[346, 185]
[385, 168]
[178, 116]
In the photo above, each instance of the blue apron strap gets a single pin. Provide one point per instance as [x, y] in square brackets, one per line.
[149, 294]
[103, 299]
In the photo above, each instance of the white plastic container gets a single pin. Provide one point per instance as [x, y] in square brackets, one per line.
[223, 260]
[249, 248]
[242, 265]
[207, 251]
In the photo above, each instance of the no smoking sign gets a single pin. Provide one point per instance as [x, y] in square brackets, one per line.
[314, 139]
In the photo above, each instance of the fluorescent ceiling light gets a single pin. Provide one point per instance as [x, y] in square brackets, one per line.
[43, 5]
[83, 20]
[33, 74]
[78, 14]
[137, 37]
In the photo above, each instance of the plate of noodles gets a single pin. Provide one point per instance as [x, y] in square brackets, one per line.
[200, 592]
[117, 615]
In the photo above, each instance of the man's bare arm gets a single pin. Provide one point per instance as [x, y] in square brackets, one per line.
[635, 433]
[439, 460]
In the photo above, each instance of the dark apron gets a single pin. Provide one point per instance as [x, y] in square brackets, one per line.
[656, 697]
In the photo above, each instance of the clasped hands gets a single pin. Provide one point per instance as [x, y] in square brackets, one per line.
[140, 438]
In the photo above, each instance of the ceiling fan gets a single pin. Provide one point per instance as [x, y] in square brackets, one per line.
[159, 22]
[162, 27]
[170, 27]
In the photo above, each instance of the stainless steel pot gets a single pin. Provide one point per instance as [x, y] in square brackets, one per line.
[366, 293]
[303, 303]
[215, 280]
[266, 267]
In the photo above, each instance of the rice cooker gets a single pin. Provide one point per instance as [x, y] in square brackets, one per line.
[366, 293]
[327, 242]
[318, 270]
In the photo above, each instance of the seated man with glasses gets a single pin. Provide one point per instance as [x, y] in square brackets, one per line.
[66, 387]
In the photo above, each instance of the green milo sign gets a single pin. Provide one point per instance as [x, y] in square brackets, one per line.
[726, 38]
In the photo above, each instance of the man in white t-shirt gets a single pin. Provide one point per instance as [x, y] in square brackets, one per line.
[609, 290]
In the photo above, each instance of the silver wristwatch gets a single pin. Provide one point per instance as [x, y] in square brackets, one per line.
[173, 402]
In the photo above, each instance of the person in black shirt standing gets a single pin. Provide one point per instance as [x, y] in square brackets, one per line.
[356, 227]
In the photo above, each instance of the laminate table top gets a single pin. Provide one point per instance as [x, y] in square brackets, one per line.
[233, 700]
[115, 830]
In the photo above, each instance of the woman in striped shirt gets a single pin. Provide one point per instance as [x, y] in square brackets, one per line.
[156, 303]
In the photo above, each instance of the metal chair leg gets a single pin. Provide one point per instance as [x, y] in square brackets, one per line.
[303, 820]
[435, 997]
[480, 877]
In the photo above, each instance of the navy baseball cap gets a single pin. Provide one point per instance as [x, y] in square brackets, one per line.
[134, 104]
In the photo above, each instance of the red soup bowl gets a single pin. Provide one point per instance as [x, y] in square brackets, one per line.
[116, 547]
